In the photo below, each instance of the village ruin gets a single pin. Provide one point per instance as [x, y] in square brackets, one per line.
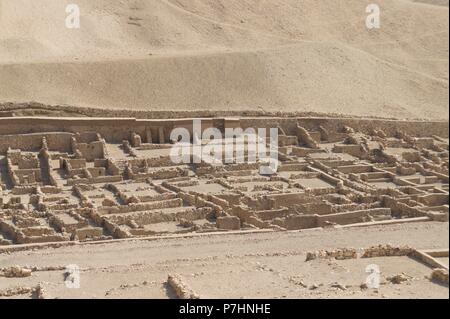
[106, 179]
[67, 181]
[224, 149]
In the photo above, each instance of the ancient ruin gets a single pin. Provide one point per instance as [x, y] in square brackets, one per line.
[224, 149]
[76, 179]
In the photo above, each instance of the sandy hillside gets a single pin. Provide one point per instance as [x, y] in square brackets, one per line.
[292, 55]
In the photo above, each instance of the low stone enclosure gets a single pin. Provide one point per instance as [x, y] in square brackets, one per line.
[435, 259]
[83, 179]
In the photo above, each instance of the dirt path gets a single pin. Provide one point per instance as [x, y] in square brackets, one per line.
[261, 265]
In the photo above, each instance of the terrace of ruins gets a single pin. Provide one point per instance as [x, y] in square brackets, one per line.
[68, 179]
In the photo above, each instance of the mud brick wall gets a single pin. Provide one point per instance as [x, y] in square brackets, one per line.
[152, 217]
[89, 232]
[33, 142]
[91, 151]
[177, 202]
[271, 214]
[390, 127]
[112, 129]
[117, 130]
[334, 125]
[286, 200]
[351, 217]
[298, 222]
[94, 180]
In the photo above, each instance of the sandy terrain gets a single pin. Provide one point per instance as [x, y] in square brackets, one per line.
[260, 265]
[88, 178]
[285, 55]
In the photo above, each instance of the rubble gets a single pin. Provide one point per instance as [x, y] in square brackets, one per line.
[440, 275]
[180, 288]
[339, 254]
[387, 250]
[398, 279]
[338, 285]
[10, 292]
[15, 272]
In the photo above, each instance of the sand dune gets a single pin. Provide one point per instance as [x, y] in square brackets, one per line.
[229, 55]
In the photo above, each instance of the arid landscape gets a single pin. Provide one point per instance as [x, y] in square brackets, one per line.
[93, 204]
[234, 55]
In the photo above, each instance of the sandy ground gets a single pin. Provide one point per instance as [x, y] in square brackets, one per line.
[287, 55]
[262, 265]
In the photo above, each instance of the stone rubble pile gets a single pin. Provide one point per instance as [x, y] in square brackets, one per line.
[339, 254]
[15, 272]
[440, 275]
[398, 279]
[386, 251]
[181, 289]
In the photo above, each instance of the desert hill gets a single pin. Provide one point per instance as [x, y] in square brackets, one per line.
[284, 55]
